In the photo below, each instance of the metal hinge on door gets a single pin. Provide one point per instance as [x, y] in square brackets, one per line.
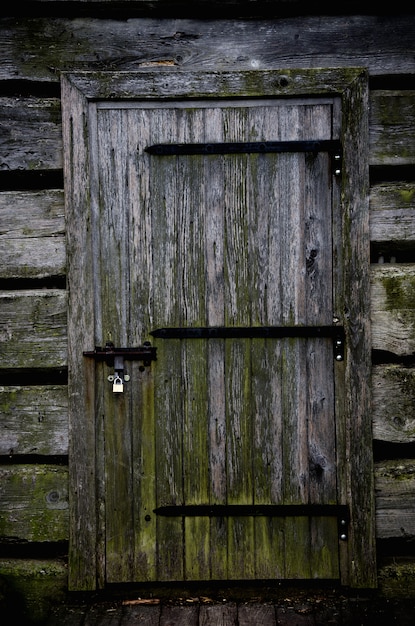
[332, 146]
[336, 333]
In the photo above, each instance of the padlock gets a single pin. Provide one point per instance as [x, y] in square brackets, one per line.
[117, 385]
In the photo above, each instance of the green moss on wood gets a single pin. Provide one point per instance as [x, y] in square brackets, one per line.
[400, 292]
[29, 588]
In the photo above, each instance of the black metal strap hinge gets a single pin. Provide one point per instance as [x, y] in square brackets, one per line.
[336, 333]
[340, 511]
[332, 146]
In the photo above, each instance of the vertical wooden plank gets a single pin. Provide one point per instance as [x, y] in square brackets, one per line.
[215, 310]
[291, 181]
[322, 471]
[142, 381]
[113, 299]
[238, 351]
[356, 281]
[265, 267]
[166, 199]
[194, 352]
[83, 522]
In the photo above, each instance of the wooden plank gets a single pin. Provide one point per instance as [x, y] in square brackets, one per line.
[33, 326]
[224, 614]
[361, 548]
[183, 615]
[34, 588]
[397, 580]
[392, 127]
[34, 420]
[32, 233]
[144, 615]
[31, 133]
[263, 614]
[392, 212]
[83, 570]
[395, 491]
[37, 49]
[393, 308]
[142, 391]
[34, 502]
[393, 401]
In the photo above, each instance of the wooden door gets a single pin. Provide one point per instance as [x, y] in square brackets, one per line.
[216, 236]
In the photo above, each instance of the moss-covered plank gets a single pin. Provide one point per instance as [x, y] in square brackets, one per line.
[33, 329]
[31, 589]
[34, 503]
[34, 420]
[392, 212]
[393, 308]
[32, 234]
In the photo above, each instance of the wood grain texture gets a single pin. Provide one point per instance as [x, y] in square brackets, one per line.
[383, 46]
[395, 484]
[81, 335]
[31, 121]
[392, 212]
[34, 502]
[32, 234]
[34, 420]
[393, 403]
[392, 307]
[33, 329]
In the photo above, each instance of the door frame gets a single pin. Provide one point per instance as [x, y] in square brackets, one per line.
[80, 92]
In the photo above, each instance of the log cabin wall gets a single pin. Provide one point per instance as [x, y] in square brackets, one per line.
[47, 37]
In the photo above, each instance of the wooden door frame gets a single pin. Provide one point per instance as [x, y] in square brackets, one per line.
[80, 92]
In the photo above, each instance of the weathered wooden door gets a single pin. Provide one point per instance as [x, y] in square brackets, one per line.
[215, 235]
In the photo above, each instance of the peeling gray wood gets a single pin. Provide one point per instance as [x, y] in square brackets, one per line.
[32, 234]
[34, 420]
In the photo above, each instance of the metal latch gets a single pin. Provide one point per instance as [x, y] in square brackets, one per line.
[145, 353]
[114, 357]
